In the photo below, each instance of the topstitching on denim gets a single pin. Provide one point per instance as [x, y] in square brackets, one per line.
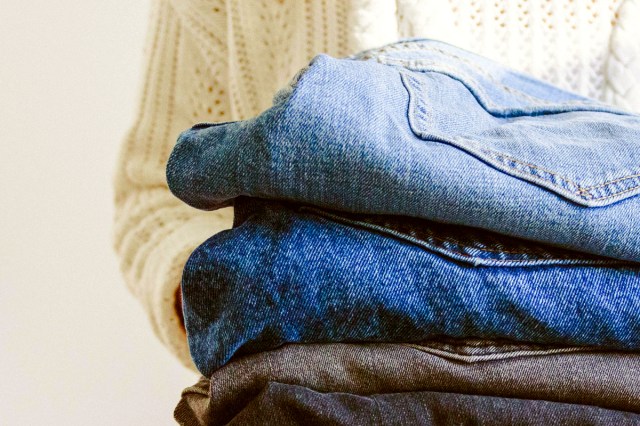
[469, 245]
[481, 350]
[420, 119]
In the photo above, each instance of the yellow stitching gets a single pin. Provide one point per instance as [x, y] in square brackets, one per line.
[613, 181]
[532, 166]
[618, 193]
[581, 189]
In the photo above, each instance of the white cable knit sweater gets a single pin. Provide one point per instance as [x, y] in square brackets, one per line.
[220, 60]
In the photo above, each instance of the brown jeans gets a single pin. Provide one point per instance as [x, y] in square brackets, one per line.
[569, 375]
[279, 404]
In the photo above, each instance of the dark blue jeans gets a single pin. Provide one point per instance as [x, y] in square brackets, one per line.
[291, 273]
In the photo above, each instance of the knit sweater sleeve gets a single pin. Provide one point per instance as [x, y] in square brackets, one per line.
[154, 232]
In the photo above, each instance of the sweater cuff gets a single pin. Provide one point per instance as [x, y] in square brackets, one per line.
[162, 275]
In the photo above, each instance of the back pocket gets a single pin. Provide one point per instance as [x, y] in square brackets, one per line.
[583, 150]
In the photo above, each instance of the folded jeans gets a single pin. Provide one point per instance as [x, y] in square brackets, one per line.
[418, 192]
[292, 274]
[423, 129]
[568, 375]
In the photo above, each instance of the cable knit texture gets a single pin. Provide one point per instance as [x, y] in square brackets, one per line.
[220, 60]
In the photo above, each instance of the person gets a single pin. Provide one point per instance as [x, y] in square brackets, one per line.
[223, 60]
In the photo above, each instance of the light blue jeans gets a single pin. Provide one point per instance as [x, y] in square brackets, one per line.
[423, 129]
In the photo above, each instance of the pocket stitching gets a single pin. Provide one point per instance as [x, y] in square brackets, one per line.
[464, 76]
[573, 190]
[582, 191]
[457, 253]
[420, 47]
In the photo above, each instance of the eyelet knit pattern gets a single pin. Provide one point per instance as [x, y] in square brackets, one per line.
[221, 60]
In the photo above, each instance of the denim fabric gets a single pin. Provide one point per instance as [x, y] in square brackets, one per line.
[294, 274]
[570, 375]
[282, 404]
[423, 129]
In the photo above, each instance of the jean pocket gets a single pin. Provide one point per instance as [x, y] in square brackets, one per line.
[581, 149]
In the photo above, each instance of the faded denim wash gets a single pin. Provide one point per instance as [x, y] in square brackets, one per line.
[289, 273]
[424, 129]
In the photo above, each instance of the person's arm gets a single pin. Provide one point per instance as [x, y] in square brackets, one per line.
[154, 233]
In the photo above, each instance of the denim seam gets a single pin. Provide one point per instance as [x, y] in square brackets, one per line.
[582, 191]
[465, 76]
[576, 192]
[498, 156]
[457, 244]
[422, 65]
[418, 110]
[461, 256]
[420, 46]
[612, 181]
[460, 76]
[497, 355]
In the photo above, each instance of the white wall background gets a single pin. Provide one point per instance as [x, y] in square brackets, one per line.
[75, 346]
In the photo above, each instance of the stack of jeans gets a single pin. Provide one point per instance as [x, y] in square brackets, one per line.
[421, 236]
